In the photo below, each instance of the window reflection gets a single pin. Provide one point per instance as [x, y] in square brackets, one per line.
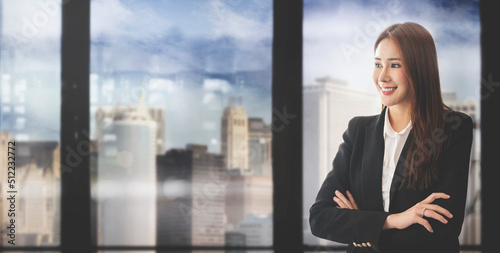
[180, 118]
[30, 122]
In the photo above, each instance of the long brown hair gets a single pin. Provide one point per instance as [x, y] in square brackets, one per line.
[420, 66]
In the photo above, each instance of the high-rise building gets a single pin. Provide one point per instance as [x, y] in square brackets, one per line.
[248, 195]
[329, 104]
[259, 147]
[105, 115]
[126, 180]
[234, 137]
[36, 186]
[258, 230]
[191, 192]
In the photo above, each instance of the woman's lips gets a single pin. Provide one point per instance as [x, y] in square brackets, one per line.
[388, 90]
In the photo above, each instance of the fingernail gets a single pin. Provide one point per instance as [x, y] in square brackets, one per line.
[336, 191]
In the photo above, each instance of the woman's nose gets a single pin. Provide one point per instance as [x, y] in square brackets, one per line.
[384, 76]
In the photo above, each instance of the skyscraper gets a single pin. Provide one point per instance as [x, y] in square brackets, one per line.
[259, 147]
[329, 104]
[126, 180]
[258, 230]
[234, 137]
[105, 115]
[248, 195]
[191, 193]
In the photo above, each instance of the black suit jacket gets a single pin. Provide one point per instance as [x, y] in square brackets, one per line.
[357, 167]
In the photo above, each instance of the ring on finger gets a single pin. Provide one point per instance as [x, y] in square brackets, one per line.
[423, 212]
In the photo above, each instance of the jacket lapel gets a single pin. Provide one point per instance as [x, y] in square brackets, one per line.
[399, 172]
[373, 158]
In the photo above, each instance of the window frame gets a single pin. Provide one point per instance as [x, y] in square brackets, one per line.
[287, 132]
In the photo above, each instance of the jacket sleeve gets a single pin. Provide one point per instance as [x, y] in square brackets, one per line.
[453, 176]
[344, 225]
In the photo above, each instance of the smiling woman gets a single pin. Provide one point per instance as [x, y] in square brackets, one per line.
[339, 86]
[406, 188]
[389, 75]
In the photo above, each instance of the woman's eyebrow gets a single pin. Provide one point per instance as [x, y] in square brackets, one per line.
[389, 59]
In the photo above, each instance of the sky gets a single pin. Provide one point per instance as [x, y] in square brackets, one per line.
[157, 38]
[163, 37]
[170, 36]
[339, 38]
[206, 39]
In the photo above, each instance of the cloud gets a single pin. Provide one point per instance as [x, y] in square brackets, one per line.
[212, 36]
[216, 85]
[242, 25]
[110, 18]
[338, 39]
[31, 20]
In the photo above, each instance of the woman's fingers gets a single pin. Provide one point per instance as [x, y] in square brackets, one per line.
[434, 215]
[343, 202]
[438, 209]
[339, 202]
[344, 199]
[434, 196]
[351, 199]
[425, 223]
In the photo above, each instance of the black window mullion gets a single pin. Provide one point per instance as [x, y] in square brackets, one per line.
[490, 124]
[287, 125]
[75, 139]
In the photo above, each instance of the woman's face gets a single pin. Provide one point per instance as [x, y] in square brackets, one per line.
[389, 76]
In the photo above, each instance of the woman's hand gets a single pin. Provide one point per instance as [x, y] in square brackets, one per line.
[343, 202]
[416, 214]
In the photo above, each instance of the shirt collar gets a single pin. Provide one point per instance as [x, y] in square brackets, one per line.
[388, 131]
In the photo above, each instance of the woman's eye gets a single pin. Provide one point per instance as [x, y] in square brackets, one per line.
[395, 65]
[378, 65]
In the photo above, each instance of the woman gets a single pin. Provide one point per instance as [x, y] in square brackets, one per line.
[399, 179]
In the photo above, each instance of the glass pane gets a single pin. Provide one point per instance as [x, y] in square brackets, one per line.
[338, 65]
[180, 121]
[30, 122]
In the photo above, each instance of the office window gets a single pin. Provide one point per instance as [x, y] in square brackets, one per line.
[30, 123]
[180, 123]
[338, 63]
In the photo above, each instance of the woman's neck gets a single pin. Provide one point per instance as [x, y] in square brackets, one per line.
[399, 116]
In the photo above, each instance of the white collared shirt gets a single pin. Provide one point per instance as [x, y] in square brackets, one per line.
[394, 143]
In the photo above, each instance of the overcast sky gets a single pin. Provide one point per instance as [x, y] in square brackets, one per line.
[339, 38]
[169, 36]
[226, 36]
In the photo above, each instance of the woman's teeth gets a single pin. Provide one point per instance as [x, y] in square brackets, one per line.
[388, 89]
